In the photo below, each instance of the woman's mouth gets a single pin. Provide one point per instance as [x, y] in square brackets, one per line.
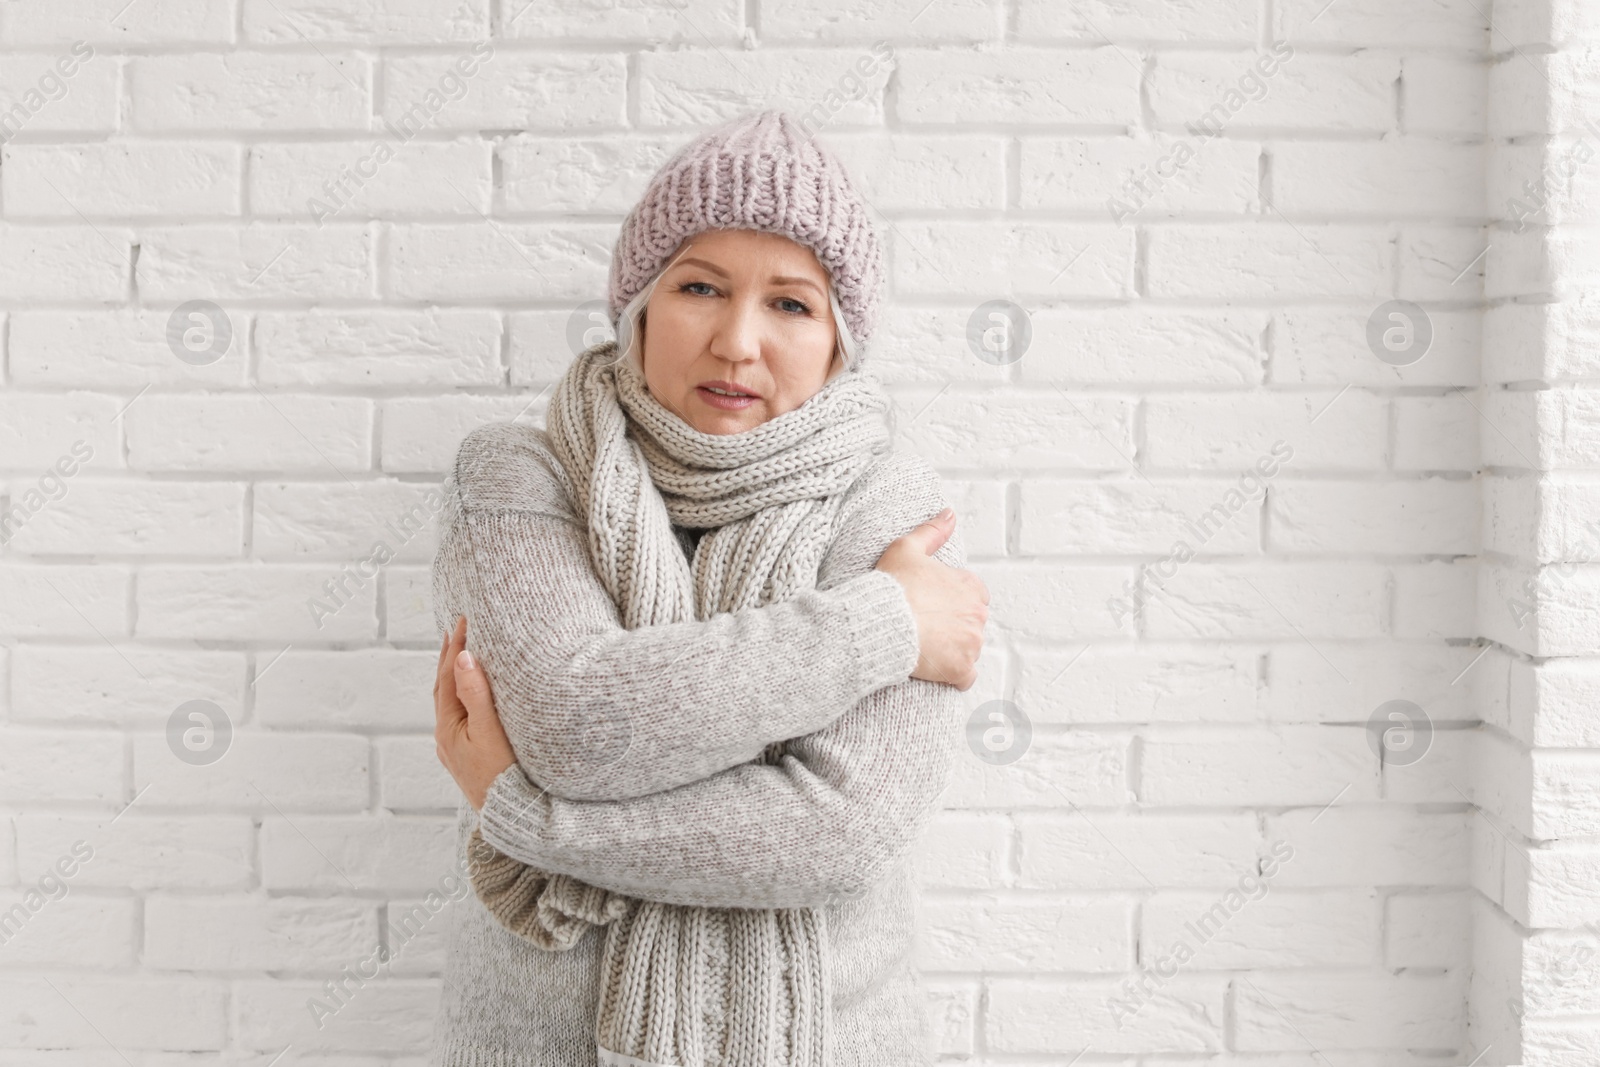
[726, 399]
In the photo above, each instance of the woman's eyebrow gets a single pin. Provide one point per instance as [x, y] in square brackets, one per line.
[782, 279]
[786, 280]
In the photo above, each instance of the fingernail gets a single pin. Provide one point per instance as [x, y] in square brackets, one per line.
[947, 512]
[464, 660]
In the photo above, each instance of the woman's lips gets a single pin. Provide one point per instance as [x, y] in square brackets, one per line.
[726, 403]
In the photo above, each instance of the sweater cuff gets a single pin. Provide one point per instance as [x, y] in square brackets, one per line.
[883, 630]
[511, 807]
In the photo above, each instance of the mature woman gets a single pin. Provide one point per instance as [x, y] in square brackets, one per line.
[703, 640]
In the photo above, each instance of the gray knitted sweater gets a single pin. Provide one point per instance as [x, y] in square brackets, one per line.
[680, 800]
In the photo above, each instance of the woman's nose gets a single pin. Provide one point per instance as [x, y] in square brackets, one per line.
[737, 336]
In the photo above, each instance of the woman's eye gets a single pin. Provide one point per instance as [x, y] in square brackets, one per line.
[789, 304]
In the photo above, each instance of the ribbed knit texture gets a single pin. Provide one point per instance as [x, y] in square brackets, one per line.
[769, 499]
[759, 171]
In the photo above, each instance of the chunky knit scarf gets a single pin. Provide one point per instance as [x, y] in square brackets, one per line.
[685, 985]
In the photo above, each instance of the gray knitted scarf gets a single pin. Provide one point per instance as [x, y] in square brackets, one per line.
[686, 985]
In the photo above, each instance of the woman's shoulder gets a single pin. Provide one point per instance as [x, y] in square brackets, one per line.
[510, 465]
[896, 493]
[897, 481]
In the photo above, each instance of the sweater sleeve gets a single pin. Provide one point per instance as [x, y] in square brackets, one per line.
[835, 814]
[595, 711]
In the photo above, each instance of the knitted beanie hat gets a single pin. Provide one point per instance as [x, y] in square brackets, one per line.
[760, 171]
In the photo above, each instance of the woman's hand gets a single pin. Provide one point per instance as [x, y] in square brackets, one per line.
[951, 604]
[467, 733]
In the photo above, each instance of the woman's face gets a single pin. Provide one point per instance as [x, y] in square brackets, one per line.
[744, 311]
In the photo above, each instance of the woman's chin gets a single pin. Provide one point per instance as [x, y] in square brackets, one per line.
[723, 422]
[708, 418]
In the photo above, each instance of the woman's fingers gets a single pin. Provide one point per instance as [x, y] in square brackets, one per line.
[449, 713]
[470, 683]
[450, 637]
[472, 687]
[469, 738]
[447, 653]
[438, 668]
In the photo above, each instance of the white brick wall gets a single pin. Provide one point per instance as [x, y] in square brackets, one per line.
[1210, 739]
[1536, 946]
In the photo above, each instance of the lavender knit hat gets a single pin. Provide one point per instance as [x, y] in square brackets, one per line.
[760, 171]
